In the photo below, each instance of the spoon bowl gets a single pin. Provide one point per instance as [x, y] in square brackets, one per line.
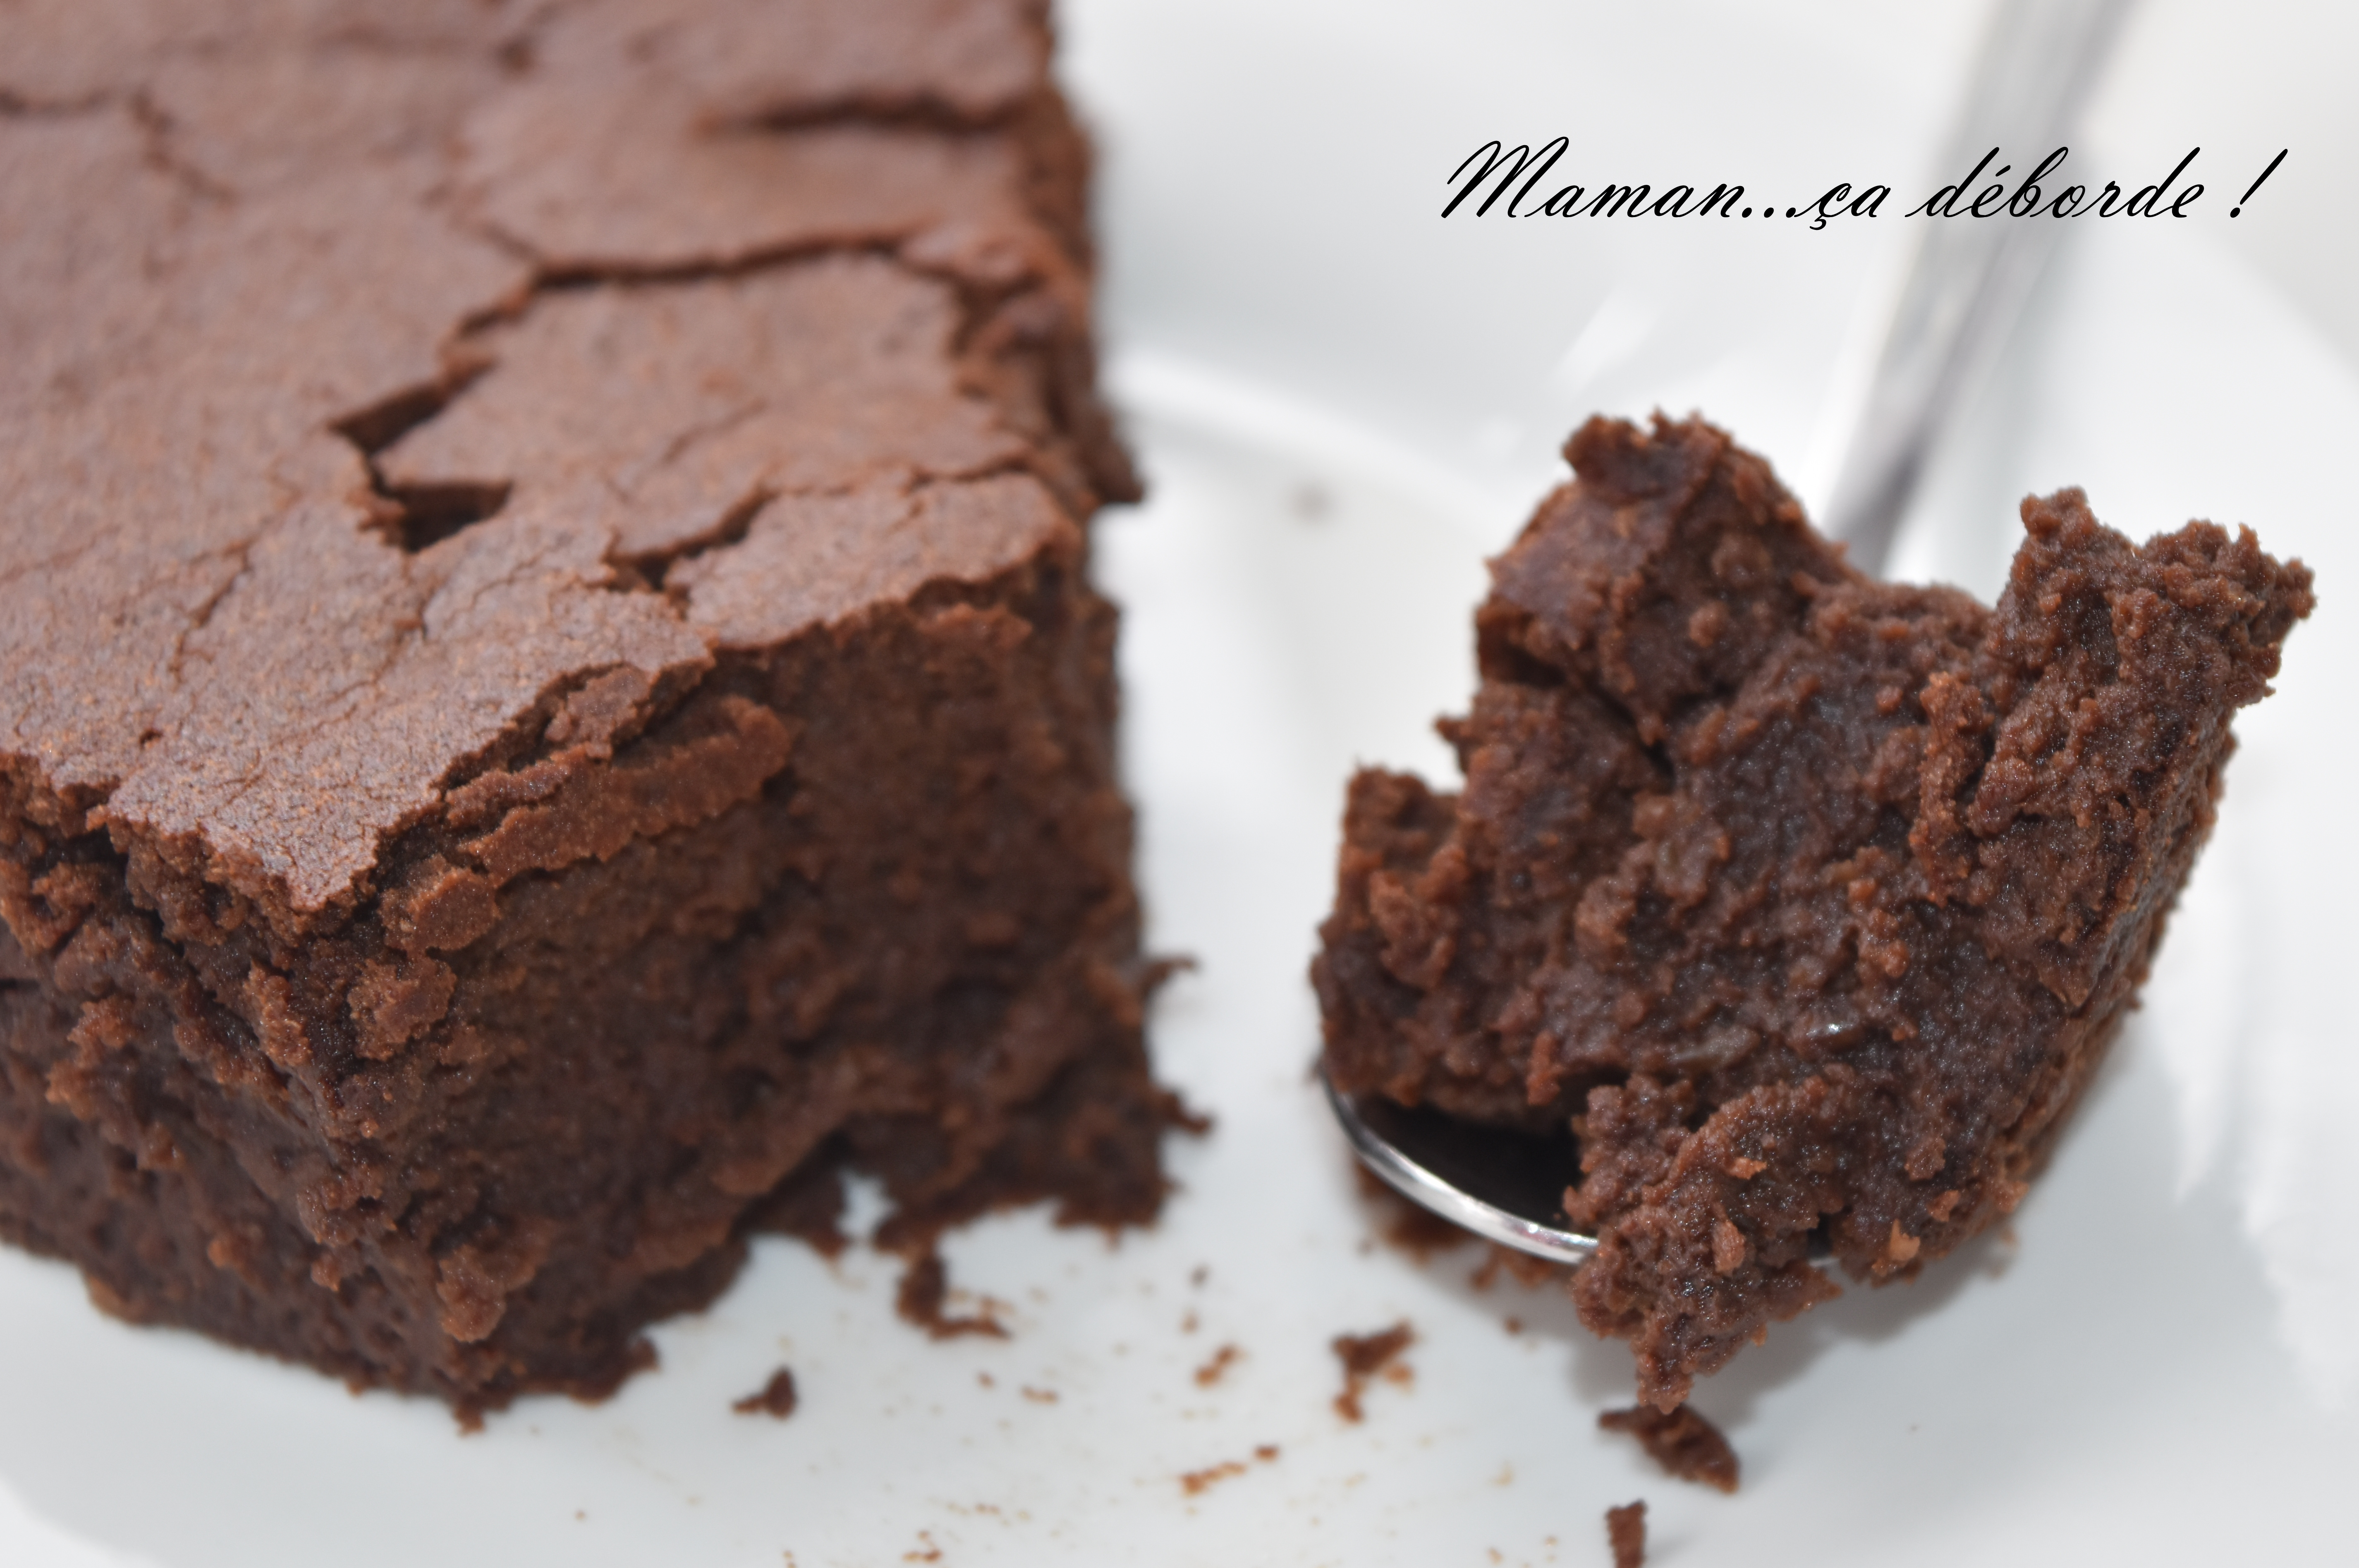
[1504, 1186]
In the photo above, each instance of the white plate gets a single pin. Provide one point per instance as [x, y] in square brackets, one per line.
[1342, 405]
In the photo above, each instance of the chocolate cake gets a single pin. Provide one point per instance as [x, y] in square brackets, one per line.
[1625, 1534]
[1810, 903]
[549, 698]
[775, 1399]
[1687, 1446]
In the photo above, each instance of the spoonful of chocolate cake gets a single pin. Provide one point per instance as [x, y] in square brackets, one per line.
[1782, 910]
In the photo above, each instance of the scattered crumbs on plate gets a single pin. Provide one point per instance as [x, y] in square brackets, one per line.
[925, 1287]
[775, 1399]
[1040, 1396]
[1626, 1531]
[1211, 1371]
[1365, 1356]
[1195, 1483]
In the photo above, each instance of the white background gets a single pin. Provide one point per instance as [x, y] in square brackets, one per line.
[1342, 405]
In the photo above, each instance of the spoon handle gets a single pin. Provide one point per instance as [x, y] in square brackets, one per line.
[2039, 59]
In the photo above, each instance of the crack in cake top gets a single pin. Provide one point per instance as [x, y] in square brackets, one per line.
[372, 367]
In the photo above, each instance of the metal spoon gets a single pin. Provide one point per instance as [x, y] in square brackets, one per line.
[1504, 1186]
[1971, 276]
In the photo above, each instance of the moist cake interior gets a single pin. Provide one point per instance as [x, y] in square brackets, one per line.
[550, 701]
[1810, 902]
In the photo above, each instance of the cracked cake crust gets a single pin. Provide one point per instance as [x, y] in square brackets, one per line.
[549, 698]
[1810, 903]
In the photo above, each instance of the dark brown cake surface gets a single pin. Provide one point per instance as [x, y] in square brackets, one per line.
[1811, 901]
[550, 700]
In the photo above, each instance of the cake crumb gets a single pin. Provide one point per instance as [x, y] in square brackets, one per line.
[1196, 1482]
[931, 1553]
[1626, 1531]
[1039, 1396]
[1199, 1274]
[775, 1398]
[924, 1288]
[1211, 1371]
[1685, 1444]
[1364, 1356]
[1188, 1324]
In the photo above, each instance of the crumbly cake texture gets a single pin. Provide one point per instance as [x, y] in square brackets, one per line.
[1687, 1446]
[1625, 1534]
[1811, 902]
[550, 700]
